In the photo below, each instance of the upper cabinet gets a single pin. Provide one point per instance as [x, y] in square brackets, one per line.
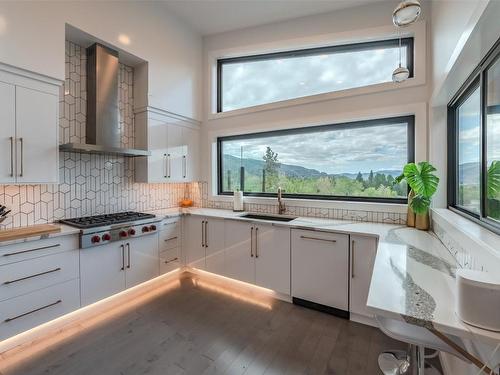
[174, 147]
[29, 131]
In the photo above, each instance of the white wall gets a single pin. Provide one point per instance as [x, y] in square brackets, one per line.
[355, 21]
[32, 37]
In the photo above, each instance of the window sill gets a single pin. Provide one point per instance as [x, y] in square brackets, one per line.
[466, 231]
[317, 203]
[372, 89]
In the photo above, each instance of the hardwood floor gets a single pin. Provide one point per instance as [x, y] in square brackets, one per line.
[195, 328]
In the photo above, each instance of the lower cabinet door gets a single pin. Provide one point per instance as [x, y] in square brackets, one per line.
[363, 252]
[239, 254]
[193, 241]
[320, 264]
[141, 259]
[30, 310]
[214, 246]
[102, 271]
[272, 258]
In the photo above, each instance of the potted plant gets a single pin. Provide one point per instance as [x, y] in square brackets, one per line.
[423, 184]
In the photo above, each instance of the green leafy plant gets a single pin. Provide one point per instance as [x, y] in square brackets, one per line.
[422, 181]
[494, 179]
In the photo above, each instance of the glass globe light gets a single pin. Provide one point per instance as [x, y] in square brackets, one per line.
[400, 74]
[406, 13]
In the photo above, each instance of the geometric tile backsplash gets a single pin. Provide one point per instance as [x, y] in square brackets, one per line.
[88, 184]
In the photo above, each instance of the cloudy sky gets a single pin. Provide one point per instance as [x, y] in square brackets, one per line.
[333, 151]
[468, 132]
[251, 83]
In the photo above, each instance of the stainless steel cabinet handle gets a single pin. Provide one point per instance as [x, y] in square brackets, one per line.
[352, 259]
[30, 250]
[166, 165]
[22, 156]
[128, 255]
[206, 233]
[256, 242]
[11, 156]
[171, 260]
[169, 166]
[30, 277]
[203, 233]
[123, 257]
[251, 242]
[317, 239]
[32, 311]
[170, 239]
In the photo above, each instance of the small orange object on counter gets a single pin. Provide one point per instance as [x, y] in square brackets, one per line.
[186, 203]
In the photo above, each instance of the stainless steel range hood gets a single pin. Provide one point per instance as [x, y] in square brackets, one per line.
[102, 128]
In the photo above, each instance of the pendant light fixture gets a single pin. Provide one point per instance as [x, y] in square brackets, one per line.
[400, 74]
[406, 13]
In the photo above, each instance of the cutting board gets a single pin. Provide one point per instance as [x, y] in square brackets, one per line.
[25, 232]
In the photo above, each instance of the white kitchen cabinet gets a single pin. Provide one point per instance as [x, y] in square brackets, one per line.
[36, 134]
[102, 271]
[194, 242]
[111, 268]
[320, 268]
[174, 147]
[239, 251]
[29, 131]
[7, 133]
[363, 250]
[272, 258]
[204, 243]
[259, 254]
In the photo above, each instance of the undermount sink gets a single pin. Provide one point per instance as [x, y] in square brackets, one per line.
[269, 217]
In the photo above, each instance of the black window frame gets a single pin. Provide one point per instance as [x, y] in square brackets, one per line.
[476, 79]
[408, 43]
[409, 119]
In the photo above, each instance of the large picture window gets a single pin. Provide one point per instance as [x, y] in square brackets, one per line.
[253, 80]
[474, 144]
[348, 161]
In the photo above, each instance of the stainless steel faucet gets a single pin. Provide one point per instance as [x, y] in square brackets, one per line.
[281, 204]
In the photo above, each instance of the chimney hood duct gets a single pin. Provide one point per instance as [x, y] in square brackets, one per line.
[103, 127]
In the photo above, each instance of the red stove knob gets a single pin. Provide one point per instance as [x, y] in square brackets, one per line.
[106, 237]
[123, 233]
[95, 239]
[131, 231]
[145, 229]
[152, 227]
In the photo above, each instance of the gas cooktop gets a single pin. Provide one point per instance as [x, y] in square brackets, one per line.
[106, 220]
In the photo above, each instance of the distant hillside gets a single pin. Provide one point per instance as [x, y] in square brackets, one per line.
[469, 173]
[254, 167]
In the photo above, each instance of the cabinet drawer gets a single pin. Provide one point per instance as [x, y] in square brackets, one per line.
[30, 310]
[170, 254]
[33, 274]
[169, 265]
[34, 249]
[170, 236]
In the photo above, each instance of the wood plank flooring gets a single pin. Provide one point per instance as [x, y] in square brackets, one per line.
[194, 329]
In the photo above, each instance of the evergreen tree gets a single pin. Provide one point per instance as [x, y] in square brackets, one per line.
[271, 168]
[370, 178]
[359, 177]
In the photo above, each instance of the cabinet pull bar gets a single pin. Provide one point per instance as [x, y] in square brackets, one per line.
[22, 157]
[128, 255]
[169, 166]
[251, 242]
[317, 239]
[171, 260]
[206, 233]
[32, 311]
[203, 233]
[170, 239]
[30, 250]
[11, 156]
[184, 166]
[256, 242]
[30, 277]
[123, 257]
[352, 259]
[166, 165]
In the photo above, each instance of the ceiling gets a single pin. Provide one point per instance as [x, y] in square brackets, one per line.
[216, 16]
